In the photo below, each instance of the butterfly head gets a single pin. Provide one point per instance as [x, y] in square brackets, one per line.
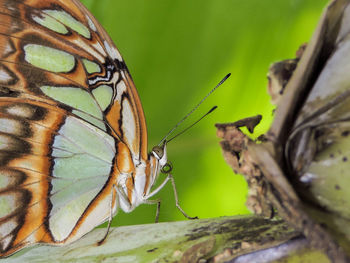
[160, 154]
[159, 163]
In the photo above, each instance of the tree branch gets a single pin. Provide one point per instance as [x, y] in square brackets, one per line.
[226, 239]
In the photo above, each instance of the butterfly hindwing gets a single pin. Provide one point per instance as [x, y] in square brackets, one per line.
[67, 106]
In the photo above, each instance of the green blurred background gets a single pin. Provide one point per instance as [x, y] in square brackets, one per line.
[177, 51]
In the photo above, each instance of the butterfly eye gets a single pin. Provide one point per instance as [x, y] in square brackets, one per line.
[167, 168]
[158, 152]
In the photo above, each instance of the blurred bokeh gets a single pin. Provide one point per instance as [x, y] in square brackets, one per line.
[177, 51]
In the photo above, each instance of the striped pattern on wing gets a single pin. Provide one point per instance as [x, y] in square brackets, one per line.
[67, 103]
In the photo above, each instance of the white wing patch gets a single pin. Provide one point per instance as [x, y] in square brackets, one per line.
[8, 50]
[7, 227]
[129, 126]
[5, 242]
[7, 143]
[112, 51]
[121, 88]
[91, 24]
[87, 48]
[21, 110]
[99, 48]
[5, 77]
[11, 126]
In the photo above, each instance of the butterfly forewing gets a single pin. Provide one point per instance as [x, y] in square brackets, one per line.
[70, 122]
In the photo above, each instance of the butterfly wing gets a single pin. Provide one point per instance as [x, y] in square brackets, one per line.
[67, 103]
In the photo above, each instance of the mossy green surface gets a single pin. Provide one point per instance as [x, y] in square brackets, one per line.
[309, 256]
[185, 241]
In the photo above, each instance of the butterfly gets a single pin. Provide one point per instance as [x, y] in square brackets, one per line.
[73, 138]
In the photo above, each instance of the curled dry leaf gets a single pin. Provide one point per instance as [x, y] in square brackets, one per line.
[280, 73]
[234, 145]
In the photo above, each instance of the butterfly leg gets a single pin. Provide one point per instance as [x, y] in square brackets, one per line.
[177, 199]
[157, 202]
[155, 191]
[110, 216]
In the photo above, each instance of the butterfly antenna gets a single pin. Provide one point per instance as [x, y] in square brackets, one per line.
[189, 127]
[188, 114]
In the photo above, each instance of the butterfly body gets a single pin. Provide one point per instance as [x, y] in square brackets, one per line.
[73, 139]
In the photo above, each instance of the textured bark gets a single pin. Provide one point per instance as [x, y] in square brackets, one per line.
[288, 168]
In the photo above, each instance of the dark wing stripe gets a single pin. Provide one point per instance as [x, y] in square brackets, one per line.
[42, 186]
[54, 132]
[29, 24]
